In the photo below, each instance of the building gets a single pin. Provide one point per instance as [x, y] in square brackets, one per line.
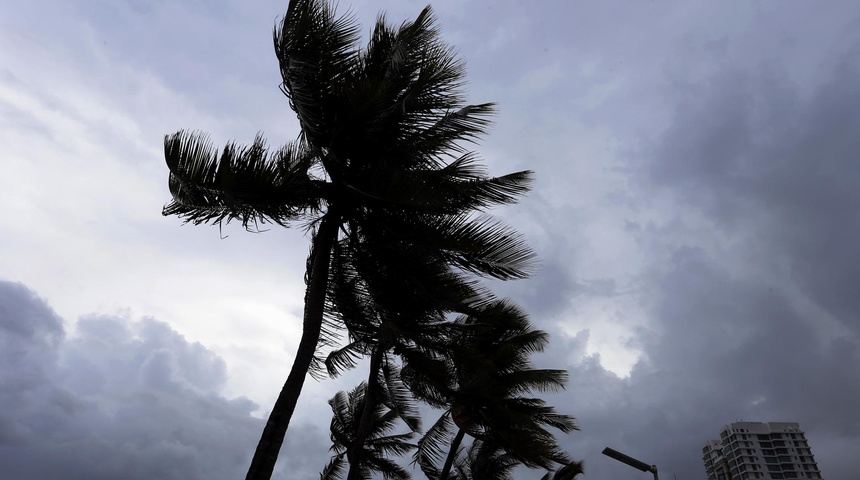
[760, 450]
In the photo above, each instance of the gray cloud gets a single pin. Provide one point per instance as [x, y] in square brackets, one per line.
[751, 282]
[722, 349]
[122, 399]
[778, 169]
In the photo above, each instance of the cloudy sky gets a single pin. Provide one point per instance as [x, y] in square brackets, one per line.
[697, 214]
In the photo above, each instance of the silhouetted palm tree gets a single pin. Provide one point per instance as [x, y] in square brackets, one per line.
[375, 451]
[379, 161]
[490, 378]
[384, 314]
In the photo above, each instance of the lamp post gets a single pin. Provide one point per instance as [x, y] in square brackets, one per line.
[637, 464]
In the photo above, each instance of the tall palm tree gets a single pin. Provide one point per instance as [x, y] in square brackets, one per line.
[380, 158]
[486, 394]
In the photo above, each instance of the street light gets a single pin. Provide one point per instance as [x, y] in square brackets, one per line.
[637, 464]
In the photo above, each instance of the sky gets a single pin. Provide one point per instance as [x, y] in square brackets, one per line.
[696, 214]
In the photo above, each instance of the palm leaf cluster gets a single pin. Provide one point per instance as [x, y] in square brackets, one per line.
[396, 206]
[373, 453]
[485, 391]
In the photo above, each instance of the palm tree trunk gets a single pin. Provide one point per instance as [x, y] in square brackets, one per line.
[455, 445]
[366, 423]
[270, 443]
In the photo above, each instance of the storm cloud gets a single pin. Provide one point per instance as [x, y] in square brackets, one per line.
[119, 398]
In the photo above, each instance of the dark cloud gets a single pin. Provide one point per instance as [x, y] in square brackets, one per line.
[751, 285]
[122, 399]
[779, 169]
[722, 349]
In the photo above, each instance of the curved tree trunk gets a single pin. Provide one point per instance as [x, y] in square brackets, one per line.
[455, 445]
[269, 446]
[365, 425]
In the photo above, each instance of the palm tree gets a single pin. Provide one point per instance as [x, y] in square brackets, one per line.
[383, 316]
[374, 451]
[490, 374]
[379, 159]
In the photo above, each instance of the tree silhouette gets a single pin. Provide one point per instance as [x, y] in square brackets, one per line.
[384, 314]
[379, 161]
[485, 394]
[373, 452]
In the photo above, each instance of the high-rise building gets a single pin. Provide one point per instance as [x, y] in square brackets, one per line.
[760, 450]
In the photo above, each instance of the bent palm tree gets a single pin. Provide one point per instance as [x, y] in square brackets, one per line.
[485, 396]
[379, 159]
[391, 300]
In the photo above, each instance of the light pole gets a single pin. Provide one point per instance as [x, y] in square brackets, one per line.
[637, 464]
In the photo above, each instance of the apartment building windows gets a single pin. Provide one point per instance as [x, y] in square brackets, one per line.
[759, 450]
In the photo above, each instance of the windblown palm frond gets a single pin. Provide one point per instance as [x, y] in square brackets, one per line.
[434, 446]
[452, 189]
[316, 51]
[246, 183]
[395, 105]
[484, 460]
[398, 398]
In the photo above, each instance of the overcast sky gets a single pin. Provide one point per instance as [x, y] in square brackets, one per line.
[697, 215]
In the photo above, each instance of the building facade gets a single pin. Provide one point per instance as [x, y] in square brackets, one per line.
[760, 450]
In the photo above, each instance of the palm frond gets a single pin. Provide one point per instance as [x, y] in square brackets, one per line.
[487, 247]
[398, 398]
[390, 470]
[432, 446]
[535, 380]
[438, 187]
[534, 411]
[393, 444]
[343, 416]
[334, 470]
[428, 377]
[486, 460]
[406, 277]
[455, 189]
[447, 132]
[247, 184]
[345, 358]
[478, 245]
[409, 79]
[315, 50]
